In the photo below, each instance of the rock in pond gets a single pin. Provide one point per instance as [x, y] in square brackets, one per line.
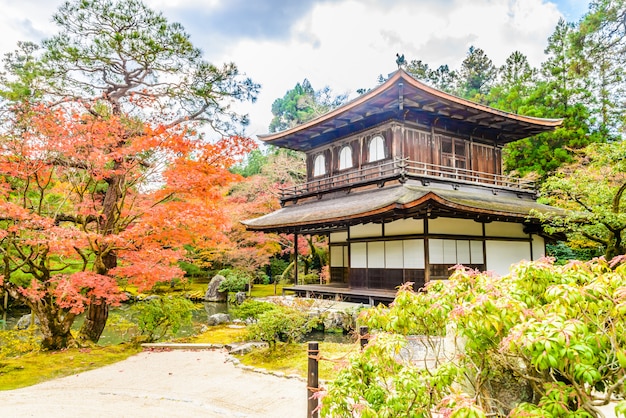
[212, 293]
[218, 318]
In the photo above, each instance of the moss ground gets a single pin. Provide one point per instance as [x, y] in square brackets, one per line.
[39, 366]
[220, 334]
[292, 358]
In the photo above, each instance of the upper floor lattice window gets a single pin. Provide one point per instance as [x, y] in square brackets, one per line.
[319, 165]
[376, 149]
[345, 157]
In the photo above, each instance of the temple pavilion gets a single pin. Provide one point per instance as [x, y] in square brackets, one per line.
[406, 181]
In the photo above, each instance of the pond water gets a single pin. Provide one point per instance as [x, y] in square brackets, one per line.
[121, 326]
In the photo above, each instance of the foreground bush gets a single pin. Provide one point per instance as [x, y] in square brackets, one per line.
[251, 309]
[544, 341]
[284, 324]
[158, 317]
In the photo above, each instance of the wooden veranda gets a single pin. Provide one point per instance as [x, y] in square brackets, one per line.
[342, 293]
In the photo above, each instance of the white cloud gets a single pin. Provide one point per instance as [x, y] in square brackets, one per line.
[344, 44]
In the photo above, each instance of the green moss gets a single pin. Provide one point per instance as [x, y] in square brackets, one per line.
[219, 334]
[37, 367]
[264, 290]
[293, 359]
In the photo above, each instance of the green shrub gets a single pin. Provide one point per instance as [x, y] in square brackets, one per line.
[192, 270]
[282, 324]
[251, 309]
[157, 317]
[543, 341]
[236, 280]
[311, 278]
[278, 266]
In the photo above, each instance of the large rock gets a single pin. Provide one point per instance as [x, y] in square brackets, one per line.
[245, 348]
[240, 297]
[24, 322]
[212, 293]
[337, 321]
[218, 318]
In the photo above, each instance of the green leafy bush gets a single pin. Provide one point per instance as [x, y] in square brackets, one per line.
[251, 308]
[236, 280]
[157, 317]
[544, 341]
[283, 324]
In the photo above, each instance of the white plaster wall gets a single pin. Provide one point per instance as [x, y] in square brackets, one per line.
[505, 229]
[501, 254]
[454, 226]
[366, 230]
[404, 227]
[414, 254]
[337, 256]
[338, 237]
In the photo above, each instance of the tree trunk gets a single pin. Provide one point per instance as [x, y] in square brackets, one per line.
[98, 311]
[54, 326]
[95, 321]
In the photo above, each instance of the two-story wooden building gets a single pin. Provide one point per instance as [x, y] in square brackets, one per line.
[407, 182]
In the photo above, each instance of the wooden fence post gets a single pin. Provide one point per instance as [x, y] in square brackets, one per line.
[313, 380]
[363, 336]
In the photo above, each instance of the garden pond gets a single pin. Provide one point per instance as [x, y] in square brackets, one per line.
[121, 326]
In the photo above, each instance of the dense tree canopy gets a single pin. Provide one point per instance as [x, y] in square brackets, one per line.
[301, 104]
[592, 189]
[105, 139]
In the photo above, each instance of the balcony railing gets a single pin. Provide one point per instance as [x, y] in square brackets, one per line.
[404, 169]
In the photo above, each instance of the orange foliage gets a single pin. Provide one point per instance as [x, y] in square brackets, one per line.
[79, 188]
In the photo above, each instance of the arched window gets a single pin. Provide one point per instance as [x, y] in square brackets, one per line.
[345, 157]
[376, 148]
[319, 165]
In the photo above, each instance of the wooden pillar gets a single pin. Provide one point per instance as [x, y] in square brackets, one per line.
[426, 253]
[295, 258]
[363, 336]
[312, 380]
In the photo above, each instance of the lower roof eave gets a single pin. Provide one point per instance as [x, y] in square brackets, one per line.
[397, 202]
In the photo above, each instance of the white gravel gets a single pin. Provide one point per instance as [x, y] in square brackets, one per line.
[175, 383]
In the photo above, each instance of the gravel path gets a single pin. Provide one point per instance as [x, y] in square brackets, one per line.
[175, 383]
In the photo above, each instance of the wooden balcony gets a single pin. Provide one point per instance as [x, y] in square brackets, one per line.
[402, 170]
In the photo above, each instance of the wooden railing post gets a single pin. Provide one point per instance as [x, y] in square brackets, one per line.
[313, 380]
[363, 336]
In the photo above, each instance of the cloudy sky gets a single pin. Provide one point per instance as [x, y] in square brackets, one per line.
[343, 44]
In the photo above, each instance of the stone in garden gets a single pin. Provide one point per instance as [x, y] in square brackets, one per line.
[218, 318]
[240, 297]
[212, 293]
[336, 321]
[24, 322]
[245, 348]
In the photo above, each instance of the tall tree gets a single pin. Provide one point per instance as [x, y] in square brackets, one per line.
[560, 93]
[515, 80]
[122, 61]
[593, 190]
[301, 104]
[476, 75]
[442, 78]
[599, 42]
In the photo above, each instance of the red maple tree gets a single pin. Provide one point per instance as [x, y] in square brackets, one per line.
[60, 224]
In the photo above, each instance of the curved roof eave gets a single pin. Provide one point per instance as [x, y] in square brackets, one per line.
[389, 83]
[402, 199]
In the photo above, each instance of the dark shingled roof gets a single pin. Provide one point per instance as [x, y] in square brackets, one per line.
[402, 97]
[396, 202]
